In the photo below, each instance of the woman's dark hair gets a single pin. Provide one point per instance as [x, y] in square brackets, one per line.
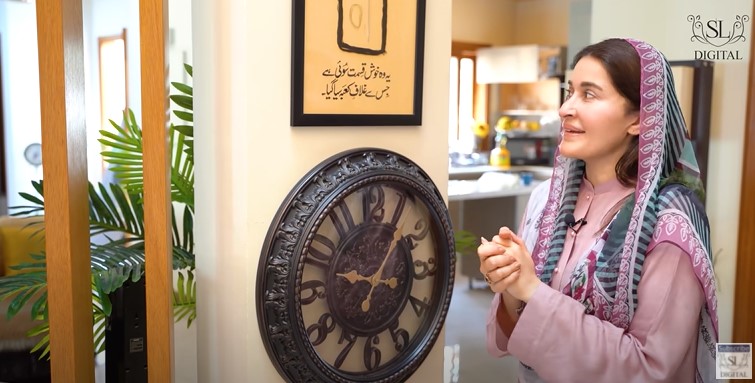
[621, 61]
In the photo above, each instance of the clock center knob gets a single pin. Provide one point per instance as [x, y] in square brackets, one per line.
[371, 284]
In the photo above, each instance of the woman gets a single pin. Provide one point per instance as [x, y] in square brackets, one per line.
[611, 280]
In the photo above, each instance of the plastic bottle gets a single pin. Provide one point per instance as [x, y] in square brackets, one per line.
[500, 156]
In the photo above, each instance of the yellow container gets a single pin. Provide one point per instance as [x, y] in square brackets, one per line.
[500, 157]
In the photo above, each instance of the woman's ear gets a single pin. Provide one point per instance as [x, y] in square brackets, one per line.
[634, 129]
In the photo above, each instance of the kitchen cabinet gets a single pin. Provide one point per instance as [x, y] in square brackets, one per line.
[519, 63]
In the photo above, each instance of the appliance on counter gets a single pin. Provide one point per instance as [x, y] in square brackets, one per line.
[531, 136]
[525, 91]
[532, 150]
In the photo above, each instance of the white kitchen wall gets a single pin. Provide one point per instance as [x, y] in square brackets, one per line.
[543, 22]
[483, 21]
[511, 22]
[580, 15]
[664, 24]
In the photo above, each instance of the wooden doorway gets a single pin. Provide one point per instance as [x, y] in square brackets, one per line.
[744, 292]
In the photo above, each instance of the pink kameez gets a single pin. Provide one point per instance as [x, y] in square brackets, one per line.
[659, 345]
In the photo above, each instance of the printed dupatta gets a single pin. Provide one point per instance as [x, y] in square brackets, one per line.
[606, 280]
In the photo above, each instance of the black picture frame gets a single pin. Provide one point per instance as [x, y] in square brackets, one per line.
[342, 75]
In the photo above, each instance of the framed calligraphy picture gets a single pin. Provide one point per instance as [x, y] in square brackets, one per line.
[357, 62]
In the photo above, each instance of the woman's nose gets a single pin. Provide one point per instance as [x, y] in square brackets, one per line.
[566, 109]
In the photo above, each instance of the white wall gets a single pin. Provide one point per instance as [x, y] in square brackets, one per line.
[248, 158]
[105, 18]
[180, 53]
[664, 25]
[20, 75]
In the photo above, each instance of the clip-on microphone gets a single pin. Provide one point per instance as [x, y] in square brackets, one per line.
[569, 219]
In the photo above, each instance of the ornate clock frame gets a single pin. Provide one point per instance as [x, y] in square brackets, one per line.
[283, 254]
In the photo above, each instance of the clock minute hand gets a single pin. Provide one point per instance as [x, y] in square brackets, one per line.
[375, 279]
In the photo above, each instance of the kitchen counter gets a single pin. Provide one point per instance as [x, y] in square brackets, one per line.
[480, 202]
[464, 182]
[540, 172]
[481, 199]
[459, 191]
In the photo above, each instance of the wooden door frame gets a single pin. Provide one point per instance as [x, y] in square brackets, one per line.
[153, 30]
[744, 292]
[61, 98]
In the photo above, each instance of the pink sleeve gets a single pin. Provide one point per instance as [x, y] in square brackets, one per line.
[561, 343]
[496, 340]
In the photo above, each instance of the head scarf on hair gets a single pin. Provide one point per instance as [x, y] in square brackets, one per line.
[663, 208]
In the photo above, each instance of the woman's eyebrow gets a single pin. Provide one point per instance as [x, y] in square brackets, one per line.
[590, 84]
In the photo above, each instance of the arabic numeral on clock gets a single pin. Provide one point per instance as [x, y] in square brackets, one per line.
[400, 205]
[400, 336]
[372, 354]
[426, 268]
[321, 255]
[324, 326]
[421, 230]
[350, 339]
[343, 222]
[419, 306]
[314, 289]
[373, 202]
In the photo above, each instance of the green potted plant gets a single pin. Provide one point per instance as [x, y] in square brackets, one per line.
[116, 226]
[466, 250]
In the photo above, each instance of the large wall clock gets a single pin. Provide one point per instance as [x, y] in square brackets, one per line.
[356, 271]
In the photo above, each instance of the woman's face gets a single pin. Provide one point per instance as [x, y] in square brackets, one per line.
[596, 122]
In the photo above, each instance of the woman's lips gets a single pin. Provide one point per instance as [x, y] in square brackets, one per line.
[570, 129]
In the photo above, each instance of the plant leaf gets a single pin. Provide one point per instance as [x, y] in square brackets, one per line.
[31, 198]
[183, 101]
[186, 130]
[186, 116]
[183, 88]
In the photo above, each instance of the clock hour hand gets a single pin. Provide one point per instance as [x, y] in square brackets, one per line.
[353, 277]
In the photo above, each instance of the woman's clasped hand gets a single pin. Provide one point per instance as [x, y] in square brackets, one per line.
[507, 265]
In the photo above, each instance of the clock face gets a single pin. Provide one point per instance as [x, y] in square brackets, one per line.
[368, 277]
[355, 283]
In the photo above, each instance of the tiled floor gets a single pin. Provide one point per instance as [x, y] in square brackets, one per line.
[465, 328]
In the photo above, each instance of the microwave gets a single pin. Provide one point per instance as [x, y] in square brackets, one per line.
[532, 150]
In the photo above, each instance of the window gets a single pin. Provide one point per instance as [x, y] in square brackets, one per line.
[113, 80]
[467, 100]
